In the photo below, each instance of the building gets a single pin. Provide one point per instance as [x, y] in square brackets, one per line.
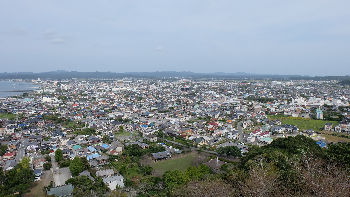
[319, 114]
[64, 190]
[114, 181]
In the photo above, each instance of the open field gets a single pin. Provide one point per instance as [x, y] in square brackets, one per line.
[178, 162]
[122, 134]
[303, 123]
[7, 116]
[335, 137]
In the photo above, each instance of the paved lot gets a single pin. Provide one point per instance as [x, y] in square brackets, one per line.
[60, 175]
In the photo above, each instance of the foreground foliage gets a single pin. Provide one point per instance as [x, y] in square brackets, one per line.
[16, 180]
[293, 166]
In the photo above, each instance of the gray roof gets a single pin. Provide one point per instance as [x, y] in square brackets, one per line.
[65, 190]
[113, 178]
[161, 155]
[107, 172]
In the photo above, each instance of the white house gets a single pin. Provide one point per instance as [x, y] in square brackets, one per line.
[113, 181]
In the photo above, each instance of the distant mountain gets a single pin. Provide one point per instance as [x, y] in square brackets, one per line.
[60, 75]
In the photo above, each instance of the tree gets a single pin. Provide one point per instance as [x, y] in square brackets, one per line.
[48, 158]
[77, 165]
[83, 186]
[58, 155]
[146, 170]
[17, 179]
[106, 139]
[339, 153]
[174, 178]
[133, 150]
[47, 165]
[3, 149]
[229, 151]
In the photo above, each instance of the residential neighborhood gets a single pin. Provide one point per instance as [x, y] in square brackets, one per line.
[66, 124]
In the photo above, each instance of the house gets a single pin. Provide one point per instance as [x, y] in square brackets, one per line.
[151, 138]
[200, 141]
[92, 156]
[102, 160]
[328, 126]
[38, 172]
[87, 173]
[10, 164]
[64, 191]
[161, 155]
[321, 143]
[9, 155]
[114, 181]
[105, 173]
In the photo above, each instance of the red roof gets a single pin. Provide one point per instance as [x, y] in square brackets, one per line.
[213, 123]
[9, 154]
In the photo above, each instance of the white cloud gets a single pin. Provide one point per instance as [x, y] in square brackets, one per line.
[53, 37]
[159, 48]
[57, 40]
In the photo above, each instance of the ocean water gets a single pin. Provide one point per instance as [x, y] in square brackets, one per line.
[13, 88]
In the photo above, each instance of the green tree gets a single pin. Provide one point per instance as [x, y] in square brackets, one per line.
[174, 178]
[339, 153]
[3, 149]
[58, 155]
[106, 139]
[229, 151]
[133, 150]
[77, 165]
[17, 179]
[83, 186]
[47, 165]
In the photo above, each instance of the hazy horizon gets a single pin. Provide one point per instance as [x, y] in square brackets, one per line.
[202, 36]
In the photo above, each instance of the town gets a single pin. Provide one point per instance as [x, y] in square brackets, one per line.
[94, 129]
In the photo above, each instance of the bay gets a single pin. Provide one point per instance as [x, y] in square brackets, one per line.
[14, 88]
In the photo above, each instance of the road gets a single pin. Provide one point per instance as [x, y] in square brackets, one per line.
[240, 131]
[60, 175]
[21, 150]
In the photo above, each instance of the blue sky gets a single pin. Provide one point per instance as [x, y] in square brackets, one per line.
[256, 36]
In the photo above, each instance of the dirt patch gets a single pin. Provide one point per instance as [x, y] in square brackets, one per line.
[37, 189]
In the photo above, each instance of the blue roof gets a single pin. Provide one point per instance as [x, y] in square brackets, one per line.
[321, 143]
[91, 149]
[92, 156]
[105, 146]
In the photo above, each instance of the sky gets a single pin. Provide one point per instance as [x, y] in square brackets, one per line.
[307, 37]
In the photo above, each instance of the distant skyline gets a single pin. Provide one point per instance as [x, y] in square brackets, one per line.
[303, 37]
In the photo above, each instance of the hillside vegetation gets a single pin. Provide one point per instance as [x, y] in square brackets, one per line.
[293, 166]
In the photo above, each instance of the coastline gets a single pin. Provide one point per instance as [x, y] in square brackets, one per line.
[10, 88]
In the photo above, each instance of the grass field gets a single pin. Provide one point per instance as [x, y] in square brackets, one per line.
[335, 137]
[303, 123]
[122, 134]
[7, 116]
[181, 162]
